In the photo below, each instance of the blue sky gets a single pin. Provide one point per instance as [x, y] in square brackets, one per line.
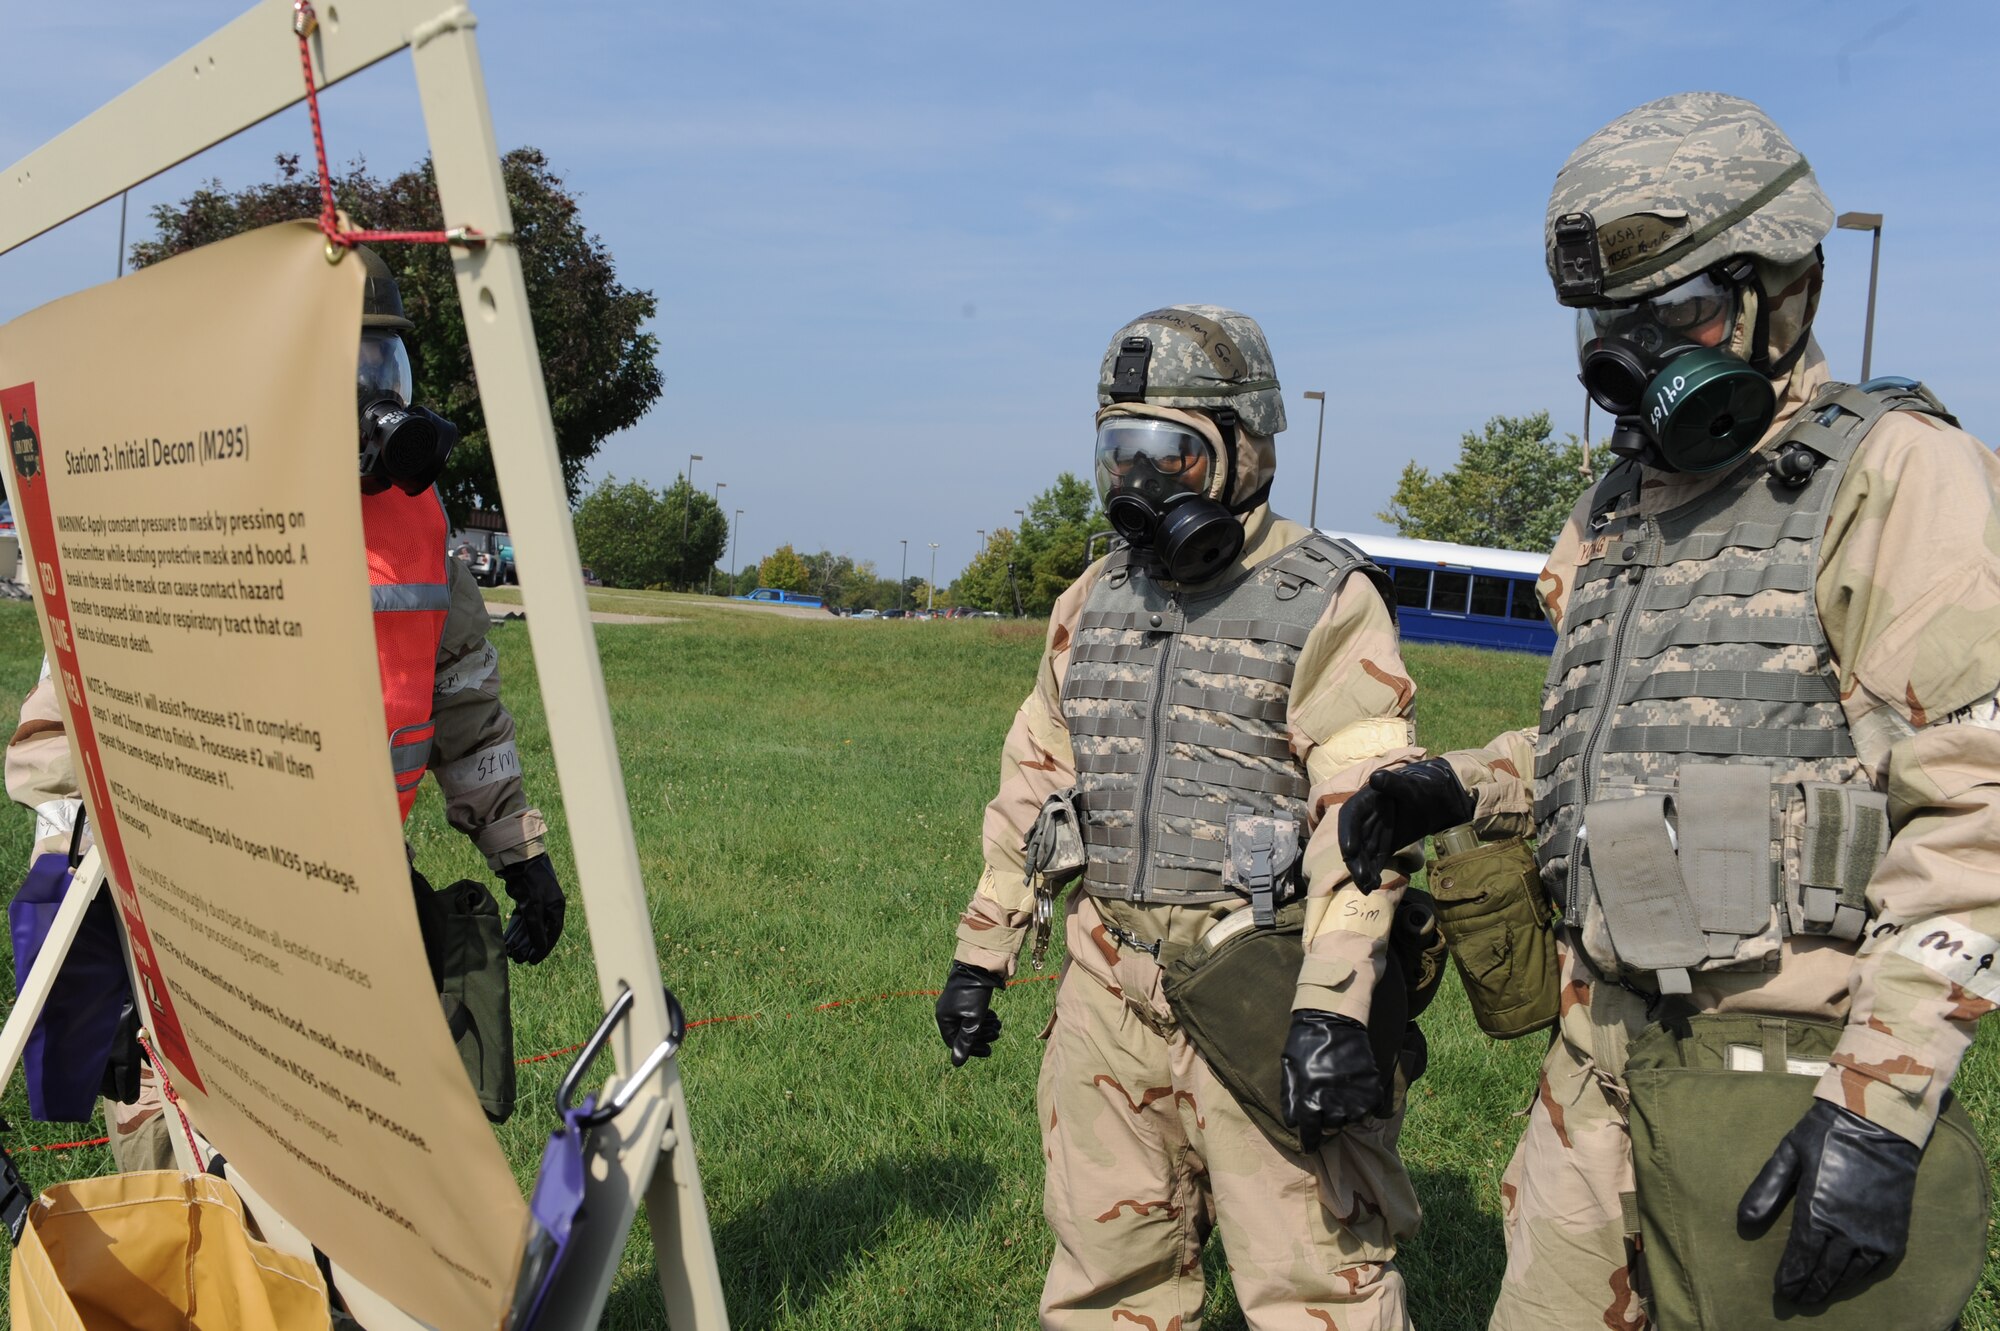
[890, 241]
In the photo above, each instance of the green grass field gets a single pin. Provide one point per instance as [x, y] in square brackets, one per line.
[807, 796]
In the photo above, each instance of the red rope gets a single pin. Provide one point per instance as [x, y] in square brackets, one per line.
[304, 21]
[167, 1088]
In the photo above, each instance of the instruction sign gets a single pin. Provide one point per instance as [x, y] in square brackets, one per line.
[182, 454]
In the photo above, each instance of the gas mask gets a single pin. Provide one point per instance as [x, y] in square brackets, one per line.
[1665, 367]
[1157, 479]
[401, 445]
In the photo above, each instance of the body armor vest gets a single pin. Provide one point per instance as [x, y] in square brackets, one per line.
[410, 586]
[1176, 704]
[1699, 794]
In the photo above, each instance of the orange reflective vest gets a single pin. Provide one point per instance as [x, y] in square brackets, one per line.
[409, 582]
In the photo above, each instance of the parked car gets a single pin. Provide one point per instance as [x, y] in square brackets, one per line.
[779, 596]
[591, 579]
[892, 614]
[867, 614]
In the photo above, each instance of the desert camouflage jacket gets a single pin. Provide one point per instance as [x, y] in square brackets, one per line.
[1350, 712]
[1908, 592]
[473, 756]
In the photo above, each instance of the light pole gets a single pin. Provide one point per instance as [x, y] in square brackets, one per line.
[1022, 514]
[1312, 517]
[903, 583]
[1866, 222]
[720, 486]
[735, 530]
[982, 536]
[681, 553]
[930, 591]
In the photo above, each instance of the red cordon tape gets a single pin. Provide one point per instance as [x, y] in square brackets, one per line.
[705, 1021]
[67, 1146]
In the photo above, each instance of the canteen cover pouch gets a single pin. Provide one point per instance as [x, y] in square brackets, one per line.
[1499, 924]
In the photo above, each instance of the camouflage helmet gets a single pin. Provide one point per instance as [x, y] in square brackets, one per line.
[1199, 358]
[1678, 186]
[381, 300]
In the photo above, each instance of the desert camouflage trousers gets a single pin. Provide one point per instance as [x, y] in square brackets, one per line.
[1562, 1198]
[1147, 1153]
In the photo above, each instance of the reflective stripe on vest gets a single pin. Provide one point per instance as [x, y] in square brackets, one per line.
[408, 584]
[1692, 681]
[1176, 707]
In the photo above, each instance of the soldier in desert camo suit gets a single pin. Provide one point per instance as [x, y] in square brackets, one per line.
[1224, 661]
[1839, 631]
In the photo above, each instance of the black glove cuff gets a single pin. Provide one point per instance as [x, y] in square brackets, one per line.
[968, 973]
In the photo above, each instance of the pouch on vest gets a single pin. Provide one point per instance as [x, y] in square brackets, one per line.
[1685, 882]
[461, 930]
[1053, 857]
[1232, 995]
[1263, 852]
[1500, 926]
[1711, 1099]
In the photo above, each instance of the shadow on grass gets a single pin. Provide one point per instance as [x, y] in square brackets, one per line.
[1452, 1268]
[781, 1253]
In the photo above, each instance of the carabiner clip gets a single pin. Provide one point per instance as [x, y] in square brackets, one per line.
[566, 1093]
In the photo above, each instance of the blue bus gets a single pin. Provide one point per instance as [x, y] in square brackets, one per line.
[1462, 593]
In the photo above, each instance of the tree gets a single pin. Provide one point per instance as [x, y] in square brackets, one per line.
[686, 512]
[1024, 572]
[631, 535]
[598, 365]
[983, 584]
[620, 534]
[833, 578]
[783, 569]
[1513, 487]
[1054, 538]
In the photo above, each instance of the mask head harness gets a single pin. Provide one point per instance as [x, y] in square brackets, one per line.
[1683, 371]
[1159, 478]
[401, 445]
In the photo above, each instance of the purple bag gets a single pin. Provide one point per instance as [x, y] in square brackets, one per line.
[72, 1041]
[556, 1206]
[553, 1209]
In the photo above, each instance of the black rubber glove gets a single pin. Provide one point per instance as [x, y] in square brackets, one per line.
[1398, 807]
[1855, 1181]
[538, 909]
[965, 1015]
[1328, 1075]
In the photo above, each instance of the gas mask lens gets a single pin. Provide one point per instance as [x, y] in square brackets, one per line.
[1622, 347]
[383, 370]
[1153, 458]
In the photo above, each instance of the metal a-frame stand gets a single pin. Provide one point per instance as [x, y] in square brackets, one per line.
[243, 74]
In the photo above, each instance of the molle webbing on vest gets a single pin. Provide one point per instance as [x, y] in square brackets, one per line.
[1176, 701]
[1747, 685]
[1692, 673]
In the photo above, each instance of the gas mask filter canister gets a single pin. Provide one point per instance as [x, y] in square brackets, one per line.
[1682, 401]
